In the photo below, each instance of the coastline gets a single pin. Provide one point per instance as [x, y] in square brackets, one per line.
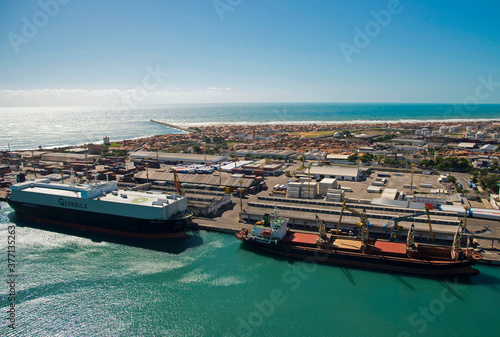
[60, 127]
[340, 123]
[192, 128]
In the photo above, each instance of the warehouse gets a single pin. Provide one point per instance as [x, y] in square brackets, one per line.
[68, 157]
[177, 158]
[337, 172]
[338, 158]
[197, 179]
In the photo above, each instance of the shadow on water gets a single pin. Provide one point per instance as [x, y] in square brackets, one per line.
[403, 281]
[451, 290]
[171, 246]
[348, 274]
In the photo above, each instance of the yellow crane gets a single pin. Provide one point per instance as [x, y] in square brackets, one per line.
[363, 224]
[396, 228]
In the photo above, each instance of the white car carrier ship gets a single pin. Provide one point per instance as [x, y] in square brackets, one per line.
[100, 207]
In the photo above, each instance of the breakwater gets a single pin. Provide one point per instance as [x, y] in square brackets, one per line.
[172, 126]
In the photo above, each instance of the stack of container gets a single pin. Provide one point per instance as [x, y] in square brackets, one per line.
[374, 189]
[379, 182]
[309, 190]
[326, 184]
[293, 190]
[335, 194]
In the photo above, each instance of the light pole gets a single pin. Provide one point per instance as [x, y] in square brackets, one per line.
[309, 184]
[33, 162]
[357, 172]
[411, 184]
[147, 169]
[220, 177]
[241, 195]
[86, 161]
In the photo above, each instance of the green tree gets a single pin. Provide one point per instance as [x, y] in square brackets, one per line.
[489, 182]
[197, 148]
[452, 179]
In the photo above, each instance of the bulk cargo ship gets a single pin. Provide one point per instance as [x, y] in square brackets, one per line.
[273, 236]
[101, 208]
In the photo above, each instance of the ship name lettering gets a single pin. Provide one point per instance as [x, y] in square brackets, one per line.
[73, 204]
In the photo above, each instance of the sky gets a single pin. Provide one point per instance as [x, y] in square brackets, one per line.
[75, 52]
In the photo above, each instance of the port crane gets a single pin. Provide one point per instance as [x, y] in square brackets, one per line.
[364, 224]
[396, 228]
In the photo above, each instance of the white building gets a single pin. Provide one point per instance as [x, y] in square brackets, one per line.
[454, 128]
[338, 158]
[338, 172]
[481, 135]
[444, 129]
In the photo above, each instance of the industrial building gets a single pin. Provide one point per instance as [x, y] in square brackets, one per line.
[197, 179]
[337, 172]
[177, 158]
[62, 157]
[338, 158]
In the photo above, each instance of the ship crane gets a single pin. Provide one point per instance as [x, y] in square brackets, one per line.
[321, 229]
[177, 184]
[364, 224]
[396, 228]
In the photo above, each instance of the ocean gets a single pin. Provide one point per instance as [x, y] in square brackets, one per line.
[210, 285]
[48, 127]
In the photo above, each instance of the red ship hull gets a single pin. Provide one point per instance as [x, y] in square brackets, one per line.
[381, 255]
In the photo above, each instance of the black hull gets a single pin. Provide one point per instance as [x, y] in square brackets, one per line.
[101, 223]
[367, 261]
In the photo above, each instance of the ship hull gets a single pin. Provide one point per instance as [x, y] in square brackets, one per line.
[113, 225]
[367, 261]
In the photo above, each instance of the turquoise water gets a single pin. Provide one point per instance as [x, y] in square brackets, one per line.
[31, 127]
[72, 286]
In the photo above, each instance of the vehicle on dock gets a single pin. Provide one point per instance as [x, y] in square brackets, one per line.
[273, 236]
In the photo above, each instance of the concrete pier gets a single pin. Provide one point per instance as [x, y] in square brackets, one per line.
[172, 126]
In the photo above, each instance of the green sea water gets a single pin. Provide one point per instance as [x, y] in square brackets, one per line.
[211, 286]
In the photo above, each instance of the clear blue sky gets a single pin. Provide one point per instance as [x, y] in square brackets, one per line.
[262, 51]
